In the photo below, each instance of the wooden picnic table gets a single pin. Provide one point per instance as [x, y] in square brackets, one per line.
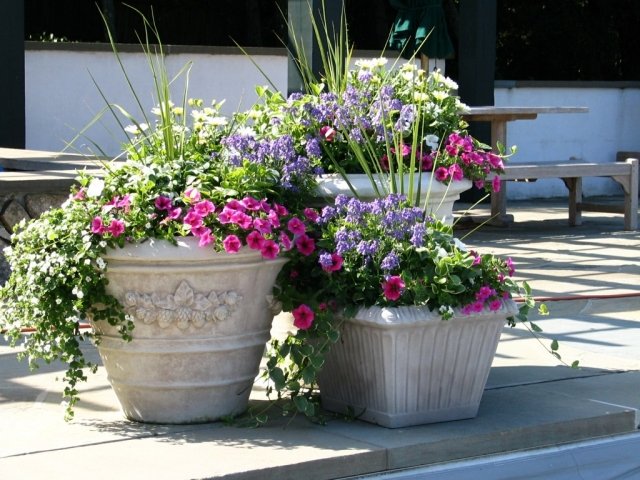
[499, 116]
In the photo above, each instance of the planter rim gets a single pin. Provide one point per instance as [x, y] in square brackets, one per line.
[414, 315]
[154, 248]
[360, 180]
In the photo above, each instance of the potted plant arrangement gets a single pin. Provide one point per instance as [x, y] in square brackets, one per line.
[180, 255]
[377, 128]
[171, 255]
[397, 321]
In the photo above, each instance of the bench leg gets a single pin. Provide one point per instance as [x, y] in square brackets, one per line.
[499, 203]
[575, 200]
[630, 186]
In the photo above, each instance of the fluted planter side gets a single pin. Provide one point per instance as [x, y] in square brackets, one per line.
[439, 197]
[202, 320]
[405, 366]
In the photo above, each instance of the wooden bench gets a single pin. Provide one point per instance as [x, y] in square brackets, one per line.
[624, 171]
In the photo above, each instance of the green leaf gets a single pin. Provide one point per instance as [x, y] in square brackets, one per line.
[277, 375]
[554, 345]
[301, 403]
[535, 327]
[575, 364]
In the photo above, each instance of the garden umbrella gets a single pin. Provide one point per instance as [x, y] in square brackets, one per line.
[416, 21]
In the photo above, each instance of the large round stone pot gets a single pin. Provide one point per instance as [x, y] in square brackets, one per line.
[202, 319]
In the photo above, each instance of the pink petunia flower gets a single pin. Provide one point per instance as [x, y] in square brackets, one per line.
[280, 209]
[328, 133]
[495, 184]
[393, 287]
[285, 241]
[174, 213]
[192, 195]
[235, 205]
[232, 244]
[441, 173]
[305, 245]
[495, 305]
[296, 226]
[303, 317]
[193, 219]
[204, 208]
[270, 249]
[255, 240]
[456, 173]
[116, 227]
[163, 203]
[80, 195]
[336, 263]
[206, 238]
[311, 214]
[97, 226]
[274, 219]
[262, 225]
[243, 220]
[124, 202]
[251, 204]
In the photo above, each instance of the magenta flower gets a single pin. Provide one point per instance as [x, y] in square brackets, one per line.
[204, 234]
[80, 195]
[243, 220]
[204, 208]
[384, 162]
[255, 240]
[495, 184]
[224, 217]
[174, 213]
[441, 173]
[495, 305]
[285, 241]
[262, 225]
[336, 263]
[311, 214]
[296, 226]
[232, 244]
[427, 162]
[116, 227]
[484, 293]
[393, 287]
[235, 205]
[251, 204]
[456, 173]
[206, 238]
[124, 202]
[193, 219]
[303, 317]
[97, 226]
[305, 245]
[274, 219]
[270, 249]
[280, 209]
[192, 195]
[163, 203]
[328, 133]
[510, 266]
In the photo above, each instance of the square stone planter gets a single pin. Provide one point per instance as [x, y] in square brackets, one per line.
[404, 366]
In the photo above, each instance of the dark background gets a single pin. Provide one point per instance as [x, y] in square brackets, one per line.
[536, 40]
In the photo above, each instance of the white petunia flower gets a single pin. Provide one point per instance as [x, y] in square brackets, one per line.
[95, 188]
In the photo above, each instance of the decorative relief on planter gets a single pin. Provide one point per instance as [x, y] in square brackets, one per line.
[186, 307]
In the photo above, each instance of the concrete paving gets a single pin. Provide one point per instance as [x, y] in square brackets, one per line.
[589, 275]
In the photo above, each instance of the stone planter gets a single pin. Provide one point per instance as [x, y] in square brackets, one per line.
[439, 197]
[404, 366]
[202, 320]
